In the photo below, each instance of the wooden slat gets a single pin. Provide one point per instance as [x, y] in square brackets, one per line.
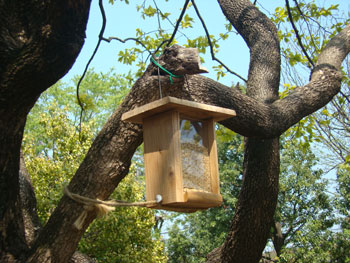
[198, 111]
[213, 157]
[178, 209]
[202, 199]
[162, 157]
[194, 201]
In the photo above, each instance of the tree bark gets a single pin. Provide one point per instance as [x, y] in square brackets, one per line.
[31, 222]
[39, 42]
[258, 197]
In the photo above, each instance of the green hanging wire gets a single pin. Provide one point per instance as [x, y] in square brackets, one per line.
[171, 75]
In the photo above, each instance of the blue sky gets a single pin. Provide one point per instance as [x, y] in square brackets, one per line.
[122, 21]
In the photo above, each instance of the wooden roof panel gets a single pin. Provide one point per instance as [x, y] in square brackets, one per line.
[191, 109]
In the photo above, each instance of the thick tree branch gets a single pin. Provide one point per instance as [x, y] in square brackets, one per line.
[37, 29]
[334, 53]
[278, 238]
[260, 34]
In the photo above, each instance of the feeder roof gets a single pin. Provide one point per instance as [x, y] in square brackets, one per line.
[190, 109]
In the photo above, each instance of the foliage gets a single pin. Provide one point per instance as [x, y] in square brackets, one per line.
[310, 18]
[302, 193]
[126, 234]
[100, 94]
[55, 144]
[53, 157]
[312, 246]
[341, 239]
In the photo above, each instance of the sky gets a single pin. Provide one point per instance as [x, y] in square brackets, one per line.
[123, 19]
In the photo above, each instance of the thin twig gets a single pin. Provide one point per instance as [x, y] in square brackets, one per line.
[131, 38]
[297, 34]
[346, 97]
[178, 23]
[307, 24]
[211, 45]
[125, 40]
[158, 19]
[100, 36]
[160, 11]
[160, 46]
[166, 17]
[311, 18]
[160, 29]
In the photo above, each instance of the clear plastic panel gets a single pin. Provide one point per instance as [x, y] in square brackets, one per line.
[194, 156]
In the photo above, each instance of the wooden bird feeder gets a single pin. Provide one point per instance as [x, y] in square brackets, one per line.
[180, 152]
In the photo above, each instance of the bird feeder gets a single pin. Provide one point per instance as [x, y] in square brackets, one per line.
[180, 152]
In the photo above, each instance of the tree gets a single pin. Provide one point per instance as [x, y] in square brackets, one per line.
[36, 58]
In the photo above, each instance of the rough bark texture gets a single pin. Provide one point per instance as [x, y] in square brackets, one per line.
[261, 157]
[39, 42]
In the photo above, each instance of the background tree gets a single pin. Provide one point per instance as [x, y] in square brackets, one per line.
[262, 118]
[305, 212]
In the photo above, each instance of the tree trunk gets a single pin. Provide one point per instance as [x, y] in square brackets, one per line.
[261, 158]
[39, 42]
[250, 228]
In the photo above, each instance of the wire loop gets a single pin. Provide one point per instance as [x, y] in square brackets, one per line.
[171, 75]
